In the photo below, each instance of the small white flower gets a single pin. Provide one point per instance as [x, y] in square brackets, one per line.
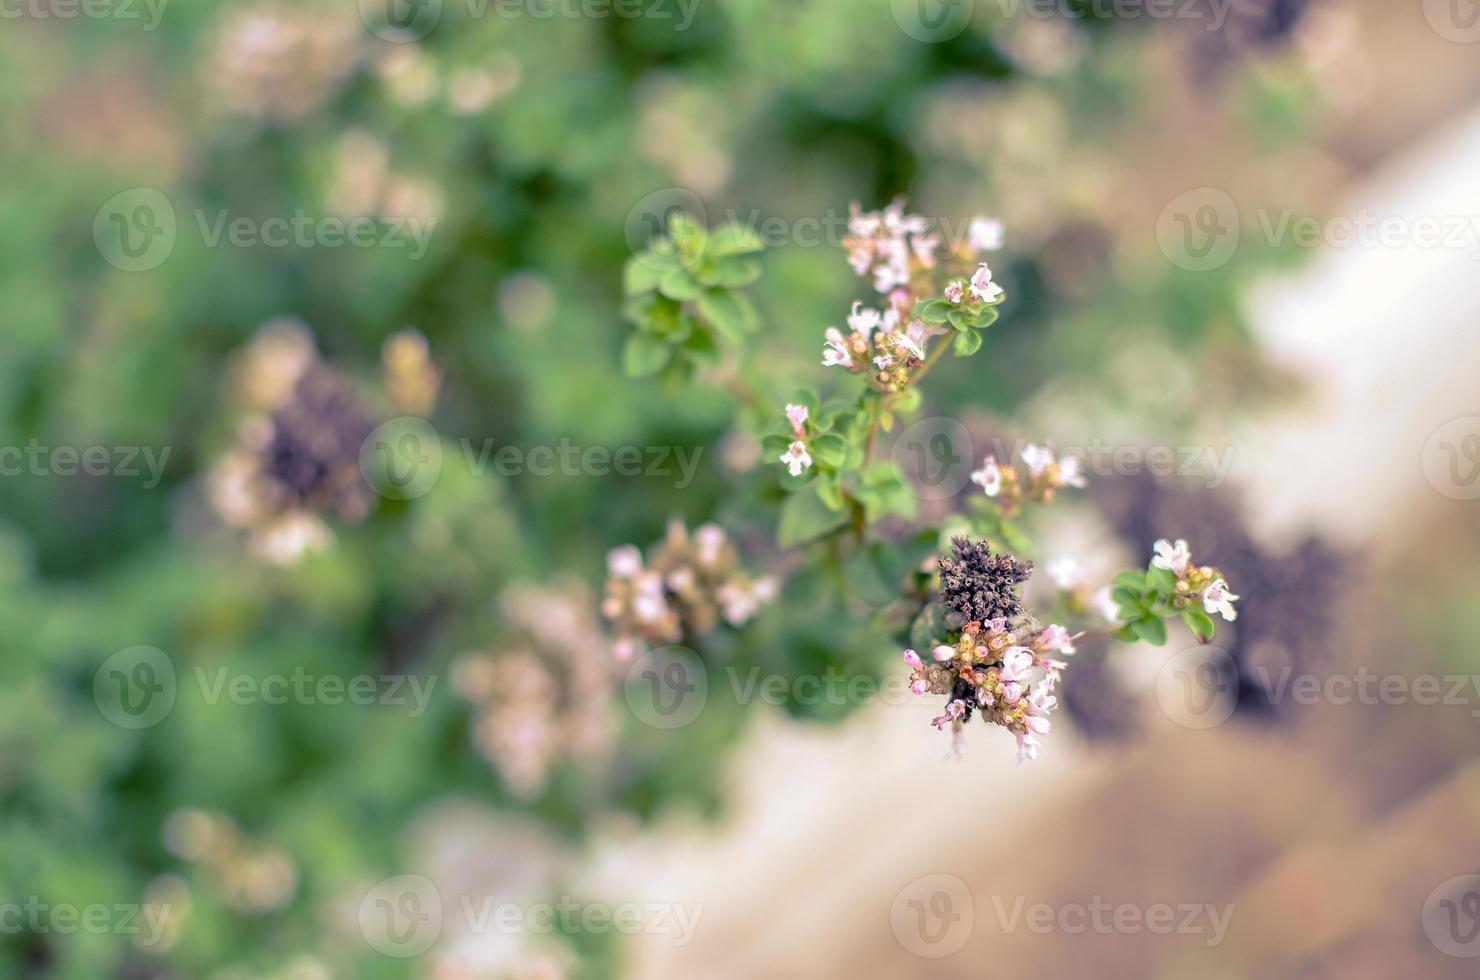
[1071, 472]
[1103, 604]
[1016, 662]
[1217, 599]
[982, 286]
[956, 290]
[1066, 573]
[989, 477]
[624, 562]
[1037, 458]
[1057, 639]
[836, 351]
[943, 653]
[1173, 557]
[984, 235]
[796, 457]
[863, 320]
[797, 416]
[890, 275]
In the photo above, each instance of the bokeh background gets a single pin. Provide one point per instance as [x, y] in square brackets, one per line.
[1239, 233]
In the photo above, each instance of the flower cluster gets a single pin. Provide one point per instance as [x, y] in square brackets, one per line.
[1195, 583]
[545, 696]
[993, 658]
[1002, 669]
[297, 454]
[280, 61]
[885, 346]
[297, 458]
[1038, 478]
[889, 245]
[256, 876]
[689, 584]
[796, 456]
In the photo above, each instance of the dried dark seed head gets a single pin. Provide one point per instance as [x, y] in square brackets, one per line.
[979, 585]
[313, 457]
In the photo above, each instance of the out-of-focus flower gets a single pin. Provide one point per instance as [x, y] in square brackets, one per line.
[691, 583]
[797, 416]
[251, 875]
[280, 61]
[410, 376]
[296, 460]
[545, 696]
[984, 235]
[1039, 480]
[1065, 573]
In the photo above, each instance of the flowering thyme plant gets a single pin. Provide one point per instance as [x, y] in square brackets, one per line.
[971, 639]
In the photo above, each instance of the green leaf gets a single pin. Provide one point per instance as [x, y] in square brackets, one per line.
[736, 272]
[687, 233]
[679, 285]
[1161, 580]
[1130, 580]
[774, 445]
[960, 319]
[831, 449]
[734, 239]
[699, 347]
[934, 310]
[986, 318]
[644, 355]
[728, 312]
[830, 493]
[1151, 629]
[966, 343]
[805, 517]
[864, 578]
[1127, 633]
[1199, 622]
[641, 275]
